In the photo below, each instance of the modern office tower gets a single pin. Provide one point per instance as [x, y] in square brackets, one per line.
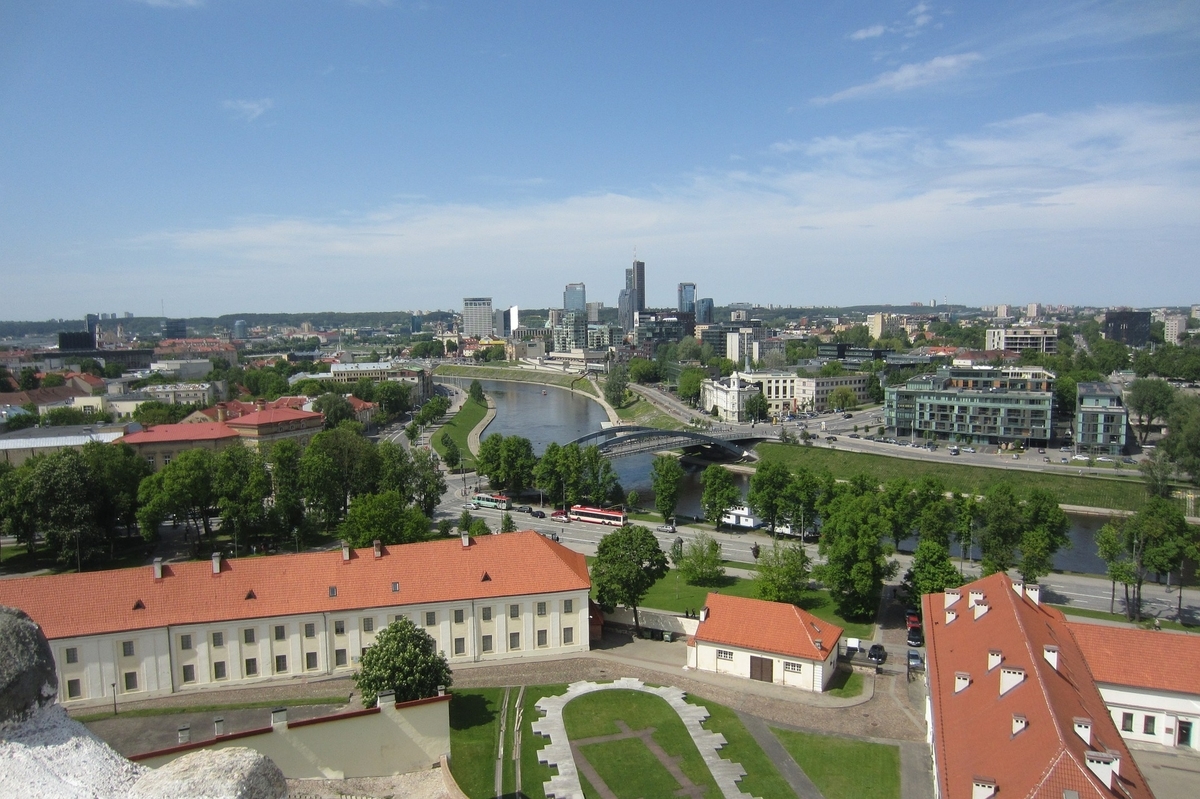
[575, 297]
[625, 309]
[687, 297]
[505, 321]
[593, 311]
[239, 330]
[174, 328]
[477, 318]
[635, 280]
[1131, 328]
[704, 311]
[416, 323]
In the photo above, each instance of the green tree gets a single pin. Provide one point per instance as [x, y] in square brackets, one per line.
[64, 495]
[632, 499]
[242, 485]
[452, 454]
[337, 409]
[1155, 539]
[394, 398]
[800, 500]
[405, 659]
[1046, 531]
[395, 470]
[1149, 399]
[320, 480]
[781, 574]
[364, 389]
[475, 392]
[856, 562]
[28, 379]
[1182, 443]
[384, 517]
[479, 527]
[768, 492]
[756, 408]
[689, 384]
[355, 458]
[546, 473]
[616, 385]
[429, 484]
[411, 431]
[117, 470]
[666, 476]
[701, 564]
[184, 487]
[154, 412]
[1003, 523]
[628, 562]
[831, 369]
[843, 397]
[931, 570]
[598, 479]
[287, 492]
[507, 525]
[720, 493]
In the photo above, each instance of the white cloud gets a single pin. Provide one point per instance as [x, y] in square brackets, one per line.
[867, 33]
[249, 110]
[1068, 204]
[909, 76]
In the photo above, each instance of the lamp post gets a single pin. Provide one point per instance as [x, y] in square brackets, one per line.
[114, 690]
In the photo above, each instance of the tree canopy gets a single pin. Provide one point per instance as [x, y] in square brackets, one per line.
[720, 493]
[782, 573]
[628, 562]
[666, 476]
[405, 659]
[701, 562]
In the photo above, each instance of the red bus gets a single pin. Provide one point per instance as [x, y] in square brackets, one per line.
[582, 513]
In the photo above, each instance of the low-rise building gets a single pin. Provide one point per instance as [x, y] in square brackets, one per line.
[977, 404]
[262, 429]
[21, 445]
[1101, 420]
[1012, 709]
[183, 393]
[746, 637]
[1038, 339]
[163, 442]
[726, 398]
[170, 628]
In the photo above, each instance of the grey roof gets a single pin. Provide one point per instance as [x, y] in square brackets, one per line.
[9, 441]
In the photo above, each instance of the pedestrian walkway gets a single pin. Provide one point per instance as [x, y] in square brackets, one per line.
[474, 435]
[789, 769]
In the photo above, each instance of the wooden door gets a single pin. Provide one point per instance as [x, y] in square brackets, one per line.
[762, 669]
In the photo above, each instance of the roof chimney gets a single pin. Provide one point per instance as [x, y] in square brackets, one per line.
[704, 613]
[980, 609]
[961, 680]
[1102, 765]
[466, 539]
[1034, 592]
[973, 597]
[222, 412]
[1018, 587]
[216, 560]
[1019, 723]
[952, 595]
[1083, 728]
[951, 616]
[260, 405]
[1050, 651]
[1010, 678]
[158, 568]
[345, 550]
[994, 658]
[1116, 756]
[982, 788]
[378, 548]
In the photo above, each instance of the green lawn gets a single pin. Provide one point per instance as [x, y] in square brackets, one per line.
[474, 738]
[845, 684]
[1101, 614]
[459, 428]
[128, 551]
[639, 411]
[1121, 493]
[762, 778]
[516, 375]
[845, 769]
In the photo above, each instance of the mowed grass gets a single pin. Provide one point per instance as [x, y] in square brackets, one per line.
[533, 773]
[762, 778]
[516, 375]
[474, 738]
[639, 411]
[845, 684]
[843, 768]
[460, 428]
[1097, 492]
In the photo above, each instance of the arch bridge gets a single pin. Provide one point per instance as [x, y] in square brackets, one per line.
[616, 442]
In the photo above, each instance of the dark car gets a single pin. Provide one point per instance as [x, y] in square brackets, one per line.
[538, 514]
[877, 654]
[915, 638]
[523, 509]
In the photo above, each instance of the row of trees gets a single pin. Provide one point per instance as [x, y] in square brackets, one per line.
[570, 473]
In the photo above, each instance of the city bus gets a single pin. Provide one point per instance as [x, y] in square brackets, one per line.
[582, 513]
[498, 501]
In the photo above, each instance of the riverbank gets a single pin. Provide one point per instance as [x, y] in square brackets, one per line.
[460, 428]
[572, 382]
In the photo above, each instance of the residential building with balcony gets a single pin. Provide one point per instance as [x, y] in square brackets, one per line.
[1101, 420]
[1017, 339]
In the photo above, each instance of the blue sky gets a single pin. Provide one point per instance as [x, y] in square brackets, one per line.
[220, 156]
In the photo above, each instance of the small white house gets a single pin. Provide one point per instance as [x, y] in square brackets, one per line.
[767, 641]
[740, 516]
[1148, 681]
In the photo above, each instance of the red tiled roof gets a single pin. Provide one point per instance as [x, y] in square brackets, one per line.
[767, 627]
[162, 433]
[973, 729]
[91, 603]
[235, 409]
[1122, 656]
[274, 416]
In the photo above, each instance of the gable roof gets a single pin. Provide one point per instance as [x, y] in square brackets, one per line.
[973, 728]
[767, 627]
[91, 603]
[274, 416]
[164, 433]
[1124, 656]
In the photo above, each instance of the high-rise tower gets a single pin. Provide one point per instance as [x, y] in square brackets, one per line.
[575, 297]
[477, 318]
[687, 298]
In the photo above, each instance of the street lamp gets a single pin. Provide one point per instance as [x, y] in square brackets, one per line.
[114, 692]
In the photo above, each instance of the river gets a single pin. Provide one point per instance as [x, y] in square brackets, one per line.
[561, 416]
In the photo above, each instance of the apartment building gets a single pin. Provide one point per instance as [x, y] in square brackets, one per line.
[170, 628]
[1101, 420]
[1016, 339]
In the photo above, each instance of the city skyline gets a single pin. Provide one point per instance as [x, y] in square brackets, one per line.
[160, 153]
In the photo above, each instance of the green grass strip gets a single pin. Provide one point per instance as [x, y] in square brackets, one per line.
[474, 738]
[1147, 623]
[460, 428]
[845, 769]
[340, 699]
[516, 375]
[762, 778]
[845, 684]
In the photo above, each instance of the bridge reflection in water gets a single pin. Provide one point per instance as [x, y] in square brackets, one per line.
[615, 442]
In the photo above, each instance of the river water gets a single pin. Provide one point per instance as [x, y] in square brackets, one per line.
[522, 409]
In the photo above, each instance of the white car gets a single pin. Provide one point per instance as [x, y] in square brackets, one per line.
[969, 449]
[1079, 457]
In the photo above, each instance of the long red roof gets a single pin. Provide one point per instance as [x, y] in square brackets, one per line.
[767, 627]
[1162, 661]
[165, 433]
[91, 603]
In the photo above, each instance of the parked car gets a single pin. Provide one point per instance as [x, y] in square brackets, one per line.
[560, 516]
[470, 506]
[523, 509]
[969, 449]
[1041, 450]
[831, 438]
[1127, 460]
[1063, 460]
[1046, 459]
[538, 514]
[665, 528]
[877, 654]
[914, 660]
[912, 620]
[855, 435]
[915, 638]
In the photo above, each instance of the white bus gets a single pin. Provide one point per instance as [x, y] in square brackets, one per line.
[581, 513]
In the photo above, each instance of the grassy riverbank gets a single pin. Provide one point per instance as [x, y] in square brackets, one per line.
[517, 375]
[1096, 492]
[639, 411]
[460, 428]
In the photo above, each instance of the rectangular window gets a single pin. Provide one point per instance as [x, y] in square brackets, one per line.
[251, 667]
[541, 637]
[339, 627]
[395, 588]
[487, 643]
[487, 614]
[514, 611]
[189, 673]
[74, 689]
[339, 657]
[430, 618]
[219, 670]
[310, 660]
[541, 608]
[796, 667]
[568, 635]
[185, 642]
[310, 630]
[458, 617]
[280, 632]
[72, 655]
[280, 664]
[1127, 722]
[248, 636]
[568, 606]
[218, 640]
[131, 681]
[332, 591]
[127, 649]
[514, 640]
[368, 625]
[460, 646]
[724, 654]
[1148, 725]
